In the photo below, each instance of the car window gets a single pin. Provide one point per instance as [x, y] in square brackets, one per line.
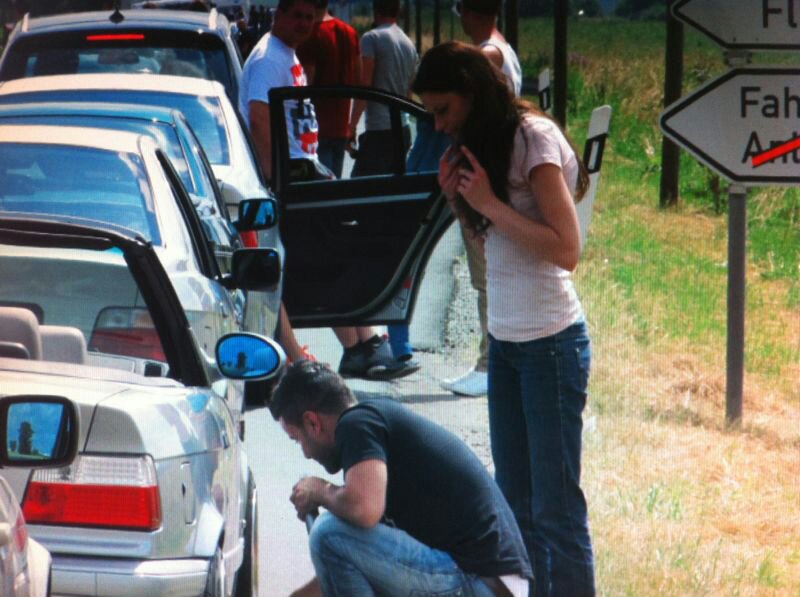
[129, 50]
[203, 113]
[91, 294]
[85, 182]
[162, 132]
[378, 153]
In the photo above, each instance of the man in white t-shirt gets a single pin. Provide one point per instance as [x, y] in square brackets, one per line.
[273, 63]
[479, 21]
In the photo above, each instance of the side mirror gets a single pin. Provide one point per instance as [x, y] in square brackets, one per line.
[257, 214]
[254, 269]
[38, 431]
[247, 356]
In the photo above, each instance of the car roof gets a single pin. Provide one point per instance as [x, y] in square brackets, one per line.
[124, 81]
[108, 140]
[119, 110]
[145, 18]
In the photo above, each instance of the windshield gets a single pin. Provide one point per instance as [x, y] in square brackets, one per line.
[85, 182]
[128, 50]
[204, 114]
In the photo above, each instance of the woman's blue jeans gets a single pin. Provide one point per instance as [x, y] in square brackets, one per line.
[537, 392]
[355, 562]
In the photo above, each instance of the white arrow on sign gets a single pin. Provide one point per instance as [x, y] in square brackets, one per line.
[744, 24]
[738, 116]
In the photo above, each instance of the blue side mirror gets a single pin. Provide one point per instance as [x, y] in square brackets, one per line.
[250, 357]
[38, 431]
[257, 214]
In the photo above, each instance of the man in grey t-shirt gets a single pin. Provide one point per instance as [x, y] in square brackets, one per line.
[389, 60]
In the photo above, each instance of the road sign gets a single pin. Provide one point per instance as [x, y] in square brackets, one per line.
[744, 24]
[737, 117]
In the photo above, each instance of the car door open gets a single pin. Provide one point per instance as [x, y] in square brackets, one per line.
[356, 246]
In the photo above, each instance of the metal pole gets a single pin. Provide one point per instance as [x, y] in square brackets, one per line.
[511, 32]
[407, 16]
[418, 36]
[560, 62]
[673, 82]
[737, 260]
[437, 23]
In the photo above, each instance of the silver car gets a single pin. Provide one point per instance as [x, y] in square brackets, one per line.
[160, 499]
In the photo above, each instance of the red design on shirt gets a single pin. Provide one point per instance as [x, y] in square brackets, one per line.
[299, 75]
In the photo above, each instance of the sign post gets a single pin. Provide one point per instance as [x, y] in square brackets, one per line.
[745, 125]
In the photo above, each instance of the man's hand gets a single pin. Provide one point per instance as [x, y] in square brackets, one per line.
[307, 496]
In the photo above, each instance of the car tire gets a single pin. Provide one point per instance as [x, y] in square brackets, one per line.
[215, 583]
[247, 576]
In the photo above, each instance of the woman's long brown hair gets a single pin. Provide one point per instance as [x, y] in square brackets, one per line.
[493, 120]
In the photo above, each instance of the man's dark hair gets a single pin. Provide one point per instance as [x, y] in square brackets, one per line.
[386, 8]
[307, 385]
[320, 4]
[285, 5]
[485, 7]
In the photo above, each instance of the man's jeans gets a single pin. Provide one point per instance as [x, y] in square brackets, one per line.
[354, 562]
[537, 391]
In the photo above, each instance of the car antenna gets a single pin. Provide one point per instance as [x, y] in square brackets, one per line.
[116, 17]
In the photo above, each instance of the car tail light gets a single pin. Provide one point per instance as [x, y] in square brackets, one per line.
[116, 37]
[96, 491]
[128, 332]
[249, 238]
[20, 533]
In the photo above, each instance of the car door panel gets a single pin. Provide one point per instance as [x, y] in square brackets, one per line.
[355, 247]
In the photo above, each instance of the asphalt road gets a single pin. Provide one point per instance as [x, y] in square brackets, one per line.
[278, 463]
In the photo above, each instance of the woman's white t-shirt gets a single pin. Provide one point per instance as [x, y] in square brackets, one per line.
[530, 298]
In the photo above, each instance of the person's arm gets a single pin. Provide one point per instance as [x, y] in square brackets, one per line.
[360, 501]
[494, 55]
[261, 132]
[367, 72]
[556, 239]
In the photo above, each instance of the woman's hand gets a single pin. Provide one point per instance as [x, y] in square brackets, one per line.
[474, 185]
[448, 173]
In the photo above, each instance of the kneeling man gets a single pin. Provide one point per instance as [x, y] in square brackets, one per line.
[418, 514]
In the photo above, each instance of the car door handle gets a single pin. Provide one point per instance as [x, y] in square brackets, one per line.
[350, 223]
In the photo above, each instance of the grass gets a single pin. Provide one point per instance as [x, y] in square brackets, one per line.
[680, 502]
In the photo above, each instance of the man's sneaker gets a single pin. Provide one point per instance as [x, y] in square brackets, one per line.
[354, 363]
[381, 364]
[472, 383]
[373, 360]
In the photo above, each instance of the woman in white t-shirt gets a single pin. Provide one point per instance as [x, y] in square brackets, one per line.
[513, 177]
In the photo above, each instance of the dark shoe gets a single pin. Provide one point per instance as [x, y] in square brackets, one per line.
[381, 364]
[354, 363]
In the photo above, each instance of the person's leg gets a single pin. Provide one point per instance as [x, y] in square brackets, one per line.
[476, 262]
[384, 561]
[509, 441]
[475, 381]
[367, 355]
[399, 341]
[330, 152]
[554, 375]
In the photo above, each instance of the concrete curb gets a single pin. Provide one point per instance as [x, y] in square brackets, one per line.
[436, 292]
